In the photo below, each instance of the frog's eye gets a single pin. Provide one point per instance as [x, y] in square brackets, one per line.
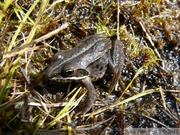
[68, 73]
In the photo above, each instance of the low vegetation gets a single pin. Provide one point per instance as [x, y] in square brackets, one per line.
[147, 95]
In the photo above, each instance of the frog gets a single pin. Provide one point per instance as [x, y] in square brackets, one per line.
[87, 62]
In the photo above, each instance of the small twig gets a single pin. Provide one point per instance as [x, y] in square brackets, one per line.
[157, 121]
[6, 105]
[162, 96]
[92, 126]
[150, 40]
[118, 11]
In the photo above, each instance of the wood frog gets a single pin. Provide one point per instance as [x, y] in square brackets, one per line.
[88, 61]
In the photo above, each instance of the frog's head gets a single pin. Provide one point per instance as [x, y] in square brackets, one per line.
[65, 72]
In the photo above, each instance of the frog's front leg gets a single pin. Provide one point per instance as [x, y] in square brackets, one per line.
[116, 61]
[91, 95]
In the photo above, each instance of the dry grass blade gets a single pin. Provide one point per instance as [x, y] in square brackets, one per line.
[65, 111]
[6, 105]
[118, 103]
[26, 47]
[150, 40]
